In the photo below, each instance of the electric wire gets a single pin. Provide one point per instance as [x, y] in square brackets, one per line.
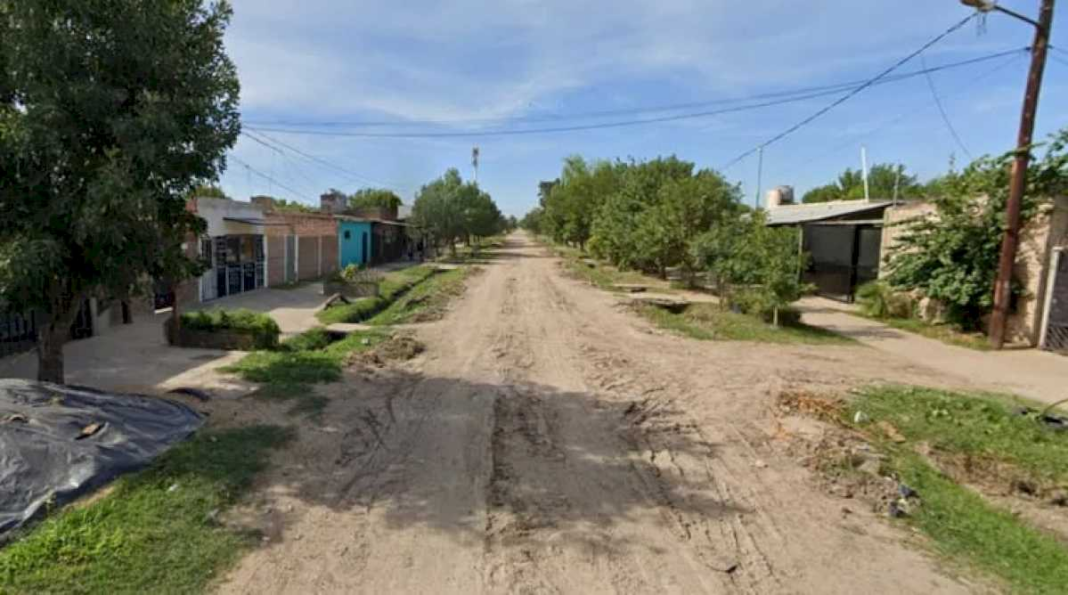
[269, 178]
[945, 116]
[618, 112]
[319, 160]
[903, 115]
[871, 82]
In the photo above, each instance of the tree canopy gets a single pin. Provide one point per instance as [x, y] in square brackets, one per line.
[640, 215]
[111, 113]
[373, 198]
[448, 210]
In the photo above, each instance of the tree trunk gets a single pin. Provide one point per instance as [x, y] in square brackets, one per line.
[775, 317]
[50, 340]
[176, 317]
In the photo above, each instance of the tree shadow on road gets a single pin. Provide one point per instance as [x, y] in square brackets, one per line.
[488, 461]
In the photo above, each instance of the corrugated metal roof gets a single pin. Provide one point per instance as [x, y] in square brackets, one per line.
[807, 213]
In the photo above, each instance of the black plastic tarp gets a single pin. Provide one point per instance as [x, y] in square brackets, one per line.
[59, 442]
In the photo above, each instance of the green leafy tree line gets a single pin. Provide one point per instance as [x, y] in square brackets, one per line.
[111, 113]
[640, 215]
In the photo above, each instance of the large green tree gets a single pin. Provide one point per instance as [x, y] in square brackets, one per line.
[111, 113]
[448, 210]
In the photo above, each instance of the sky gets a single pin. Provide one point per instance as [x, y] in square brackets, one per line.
[419, 67]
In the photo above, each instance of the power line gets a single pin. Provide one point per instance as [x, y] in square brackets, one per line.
[901, 116]
[618, 112]
[319, 160]
[618, 124]
[945, 116]
[852, 93]
[251, 169]
[288, 160]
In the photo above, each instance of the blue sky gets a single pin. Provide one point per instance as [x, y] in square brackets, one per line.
[431, 66]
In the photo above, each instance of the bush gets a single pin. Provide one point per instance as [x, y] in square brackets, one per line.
[262, 327]
[880, 300]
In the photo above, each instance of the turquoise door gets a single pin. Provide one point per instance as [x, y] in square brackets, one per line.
[354, 237]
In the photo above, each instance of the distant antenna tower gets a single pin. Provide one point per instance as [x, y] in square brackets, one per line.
[474, 162]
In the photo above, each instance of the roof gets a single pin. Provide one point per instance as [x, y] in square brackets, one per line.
[821, 211]
[352, 219]
[251, 221]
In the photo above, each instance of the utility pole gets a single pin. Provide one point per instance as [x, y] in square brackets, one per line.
[760, 176]
[474, 162]
[864, 170]
[897, 183]
[1011, 239]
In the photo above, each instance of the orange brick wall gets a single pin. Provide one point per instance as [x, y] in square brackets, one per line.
[308, 262]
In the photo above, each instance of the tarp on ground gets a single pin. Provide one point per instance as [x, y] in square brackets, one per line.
[59, 442]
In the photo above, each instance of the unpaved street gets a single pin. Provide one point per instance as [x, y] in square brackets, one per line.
[550, 441]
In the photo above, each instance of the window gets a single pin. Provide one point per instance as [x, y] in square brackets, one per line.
[348, 235]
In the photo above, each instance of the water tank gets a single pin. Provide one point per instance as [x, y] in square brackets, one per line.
[778, 196]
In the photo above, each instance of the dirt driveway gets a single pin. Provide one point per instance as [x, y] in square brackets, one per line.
[549, 441]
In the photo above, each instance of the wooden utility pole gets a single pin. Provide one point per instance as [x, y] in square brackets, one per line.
[1011, 239]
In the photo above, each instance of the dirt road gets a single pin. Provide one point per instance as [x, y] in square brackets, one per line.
[549, 441]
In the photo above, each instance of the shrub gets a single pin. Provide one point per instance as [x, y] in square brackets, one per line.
[879, 300]
[262, 327]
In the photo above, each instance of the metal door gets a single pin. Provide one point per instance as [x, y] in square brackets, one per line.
[1055, 335]
[291, 259]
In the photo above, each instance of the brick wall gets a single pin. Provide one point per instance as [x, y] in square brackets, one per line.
[276, 259]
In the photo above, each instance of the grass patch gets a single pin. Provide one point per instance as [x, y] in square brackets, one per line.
[978, 425]
[425, 301]
[394, 285]
[960, 523]
[144, 537]
[313, 357]
[709, 322]
[946, 333]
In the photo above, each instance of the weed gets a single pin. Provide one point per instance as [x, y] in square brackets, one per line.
[392, 287]
[426, 300]
[959, 521]
[709, 322]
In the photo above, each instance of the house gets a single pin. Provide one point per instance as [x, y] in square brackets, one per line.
[843, 239]
[1039, 314]
[369, 236]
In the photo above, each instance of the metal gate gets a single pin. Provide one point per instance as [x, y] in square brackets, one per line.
[1055, 334]
[291, 259]
[18, 331]
[842, 257]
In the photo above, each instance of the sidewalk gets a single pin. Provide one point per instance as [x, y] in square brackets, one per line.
[135, 358]
[1032, 373]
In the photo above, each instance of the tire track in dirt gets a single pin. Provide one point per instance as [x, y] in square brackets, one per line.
[548, 442]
